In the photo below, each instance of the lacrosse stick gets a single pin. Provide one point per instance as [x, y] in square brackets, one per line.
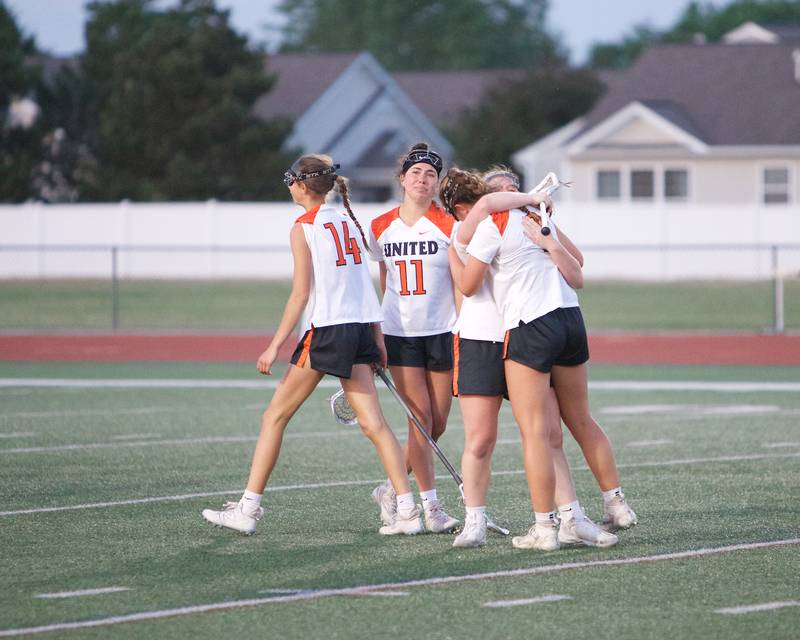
[440, 454]
[343, 413]
[548, 186]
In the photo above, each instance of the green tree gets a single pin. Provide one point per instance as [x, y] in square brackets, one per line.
[699, 18]
[20, 138]
[540, 102]
[424, 34]
[163, 107]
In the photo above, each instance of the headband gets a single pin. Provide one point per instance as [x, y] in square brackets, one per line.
[423, 155]
[290, 176]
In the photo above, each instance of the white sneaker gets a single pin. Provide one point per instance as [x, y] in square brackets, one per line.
[385, 497]
[618, 515]
[407, 523]
[584, 531]
[474, 533]
[543, 537]
[436, 520]
[233, 517]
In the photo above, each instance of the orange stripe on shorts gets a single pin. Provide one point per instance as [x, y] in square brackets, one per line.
[306, 348]
[505, 346]
[455, 364]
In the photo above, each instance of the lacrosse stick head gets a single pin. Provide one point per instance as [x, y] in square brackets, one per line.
[342, 411]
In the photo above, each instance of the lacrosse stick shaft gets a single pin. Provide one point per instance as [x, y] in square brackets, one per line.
[440, 454]
[545, 219]
[411, 416]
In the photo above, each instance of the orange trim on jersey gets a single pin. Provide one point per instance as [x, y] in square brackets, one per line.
[500, 220]
[306, 348]
[441, 219]
[505, 346]
[456, 354]
[382, 222]
[308, 216]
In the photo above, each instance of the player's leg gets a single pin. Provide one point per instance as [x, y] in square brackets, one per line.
[571, 387]
[528, 389]
[298, 383]
[362, 395]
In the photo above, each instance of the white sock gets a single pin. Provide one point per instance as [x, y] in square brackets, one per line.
[570, 510]
[477, 512]
[405, 502]
[250, 501]
[428, 497]
[608, 496]
[548, 518]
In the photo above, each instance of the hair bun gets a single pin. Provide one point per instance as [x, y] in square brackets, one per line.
[420, 146]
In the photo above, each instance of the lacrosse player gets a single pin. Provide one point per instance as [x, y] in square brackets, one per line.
[594, 444]
[343, 338]
[419, 312]
[532, 284]
[479, 377]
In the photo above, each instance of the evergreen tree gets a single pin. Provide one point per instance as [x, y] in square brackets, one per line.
[163, 107]
[424, 34]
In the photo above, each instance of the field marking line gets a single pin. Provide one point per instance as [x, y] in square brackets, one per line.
[495, 604]
[137, 436]
[351, 483]
[173, 441]
[778, 445]
[80, 593]
[150, 383]
[189, 383]
[67, 413]
[364, 589]
[647, 443]
[18, 434]
[767, 606]
[692, 409]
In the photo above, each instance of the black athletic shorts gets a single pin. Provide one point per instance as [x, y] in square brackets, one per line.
[434, 353]
[556, 338]
[336, 348]
[478, 368]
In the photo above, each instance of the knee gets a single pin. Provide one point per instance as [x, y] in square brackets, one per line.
[438, 428]
[556, 437]
[480, 447]
[371, 426]
[274, 419]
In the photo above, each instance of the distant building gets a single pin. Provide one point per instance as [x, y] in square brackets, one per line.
[706, 124]
[346, 105]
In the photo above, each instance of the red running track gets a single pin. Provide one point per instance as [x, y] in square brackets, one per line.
[613, 349]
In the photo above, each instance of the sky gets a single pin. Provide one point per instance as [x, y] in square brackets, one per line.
[58, 24]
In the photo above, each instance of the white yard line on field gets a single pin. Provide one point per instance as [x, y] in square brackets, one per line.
[174, 442]
[368, 588]
[66, 413]
[753, 608]
[185, 383]
[648, 443]
[779, 445]
[349, 483]
[82, 592]
[18, 434]
[516, 603]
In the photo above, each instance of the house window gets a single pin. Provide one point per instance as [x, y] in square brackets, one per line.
[676, 184]
[608, 185]
[642, 184]
[776, 185]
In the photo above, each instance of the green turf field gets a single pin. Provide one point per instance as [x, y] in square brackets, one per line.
[257, 305]
[101, 487]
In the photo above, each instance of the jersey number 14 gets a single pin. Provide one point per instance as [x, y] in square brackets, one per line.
[350, 245]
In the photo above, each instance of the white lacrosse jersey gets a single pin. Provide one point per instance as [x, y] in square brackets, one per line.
[479, 318]
[524, 281]
[418, 300]
[341, 287]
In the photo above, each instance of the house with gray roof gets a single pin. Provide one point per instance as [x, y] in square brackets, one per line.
[704, 124]
[346, 105]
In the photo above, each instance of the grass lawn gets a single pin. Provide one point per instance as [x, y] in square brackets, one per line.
[101, 488]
